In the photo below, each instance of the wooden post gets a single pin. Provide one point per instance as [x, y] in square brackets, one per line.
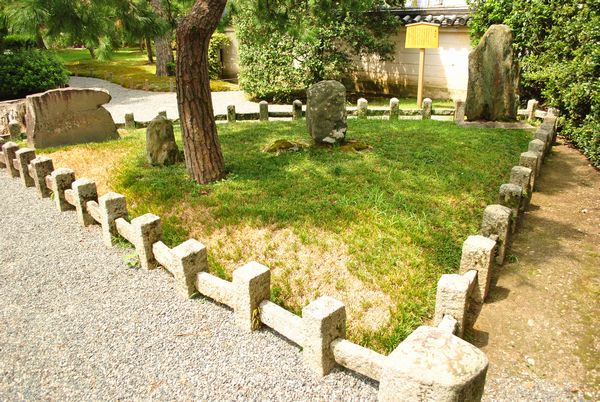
[421, 76]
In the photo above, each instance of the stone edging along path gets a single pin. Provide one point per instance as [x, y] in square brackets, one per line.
[432, 363]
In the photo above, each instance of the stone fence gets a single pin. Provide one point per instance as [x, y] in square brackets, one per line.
[361, 110]
[432, 363]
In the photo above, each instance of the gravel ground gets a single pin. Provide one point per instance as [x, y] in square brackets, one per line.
[77, 324]
[145, 105]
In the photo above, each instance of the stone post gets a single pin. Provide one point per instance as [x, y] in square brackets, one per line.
[497, 221]
[147, 230]
[451, 298]
[23, 157]
[546, 135]
[129, 121]
[297, 110]
[184, 261]
[433, 365]
[231, 118]
[362, 108]
[252, 285]
[324, 320]
[9, 150]
[538, 147]
[511, 196]
[61, 179]
[532, 106]
[263, 111]
[112, 207]
[459, 111]
[427, 106]
[41, 167]
[146, 85]
[521, 176]
[84, 190]
[394, 109]
[530, 160]
[14, 130]
[171, 85]
[477, 254]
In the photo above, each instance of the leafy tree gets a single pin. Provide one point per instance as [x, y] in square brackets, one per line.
[557, 42]
[285, 45]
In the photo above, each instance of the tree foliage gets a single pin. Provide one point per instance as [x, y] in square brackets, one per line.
[558, 44]
[286, 45]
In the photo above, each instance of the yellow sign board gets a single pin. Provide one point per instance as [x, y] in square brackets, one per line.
[422, 35]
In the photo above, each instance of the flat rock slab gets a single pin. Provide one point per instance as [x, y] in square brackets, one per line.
[68, 116]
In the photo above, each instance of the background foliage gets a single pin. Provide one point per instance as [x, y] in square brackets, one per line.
[558, 43]
[286, 45]
[29, 71]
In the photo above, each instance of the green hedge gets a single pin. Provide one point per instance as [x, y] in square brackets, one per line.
[18, 42]
[28, 72]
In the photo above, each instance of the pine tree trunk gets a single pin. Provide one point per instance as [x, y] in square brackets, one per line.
[39, 39]
[164, 55]
[203, 156]
[149, 50]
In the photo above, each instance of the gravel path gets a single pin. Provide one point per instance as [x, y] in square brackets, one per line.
[77, 324]
[145, 105]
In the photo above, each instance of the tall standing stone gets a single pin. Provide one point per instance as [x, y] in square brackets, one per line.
[492, 92]
[161, 148]
[326, 112]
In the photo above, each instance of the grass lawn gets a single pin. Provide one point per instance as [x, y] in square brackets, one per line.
[375, 229]
[129, 68]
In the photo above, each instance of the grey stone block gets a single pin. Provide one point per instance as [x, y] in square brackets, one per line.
[297, 110]
[362, 108]
[231, 118]
[263, 111]
[478, 255]
[84, 190]
[9, 150]
[324, 321]
[427, 105]
[61, 180]
[394, 108]
[459, 111]
[433, 365]
[184, 262]
[41, 167]
[511, 196]
[522, 176]
[112, 207]
[23, 157]
[451, 299]
[497, 220]
[252, 284]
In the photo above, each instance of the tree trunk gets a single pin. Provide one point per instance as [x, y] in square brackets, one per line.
[164, 55]
[202, 149]
[149, 50]
[39, 39]
[92, 52]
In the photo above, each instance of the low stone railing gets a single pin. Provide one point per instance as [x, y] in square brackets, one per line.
[433, 363]
[361, 110]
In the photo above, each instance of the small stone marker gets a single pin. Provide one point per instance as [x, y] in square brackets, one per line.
[129, 121]
[459, 111]
[161, 148]
[14, 130]
[252, 284]
[530, 160]
[433, 365]
[394, 109]
[84, 190]
[326, 112]
[146, 85]
[324, 321]
[451, 298]
[9, 150]
[171, 85]
[532, 106]
[426, 112]
[362, 108]
[41, 167]
[184, 262]
[497, 220]
[263, 111]
[478, 255]
[511, 196]
[492, 92]
[231, 117]
[297, 110]
[112, 207]
[24, 156]
[521, 176]
[62, 179]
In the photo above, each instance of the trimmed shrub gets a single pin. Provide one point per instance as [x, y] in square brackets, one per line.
[28, 72]
[215, 66]
[18, 42]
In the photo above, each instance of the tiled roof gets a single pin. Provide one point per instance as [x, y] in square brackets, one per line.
[446, 17]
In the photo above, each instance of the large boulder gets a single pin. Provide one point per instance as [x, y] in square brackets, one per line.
[161, 148]
[326, 112]
[68, 116]
[492, 93]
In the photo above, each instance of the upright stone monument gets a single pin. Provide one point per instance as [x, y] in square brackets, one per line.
[326, 112]
[68, 116]
[161, 148]
[492, 92]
